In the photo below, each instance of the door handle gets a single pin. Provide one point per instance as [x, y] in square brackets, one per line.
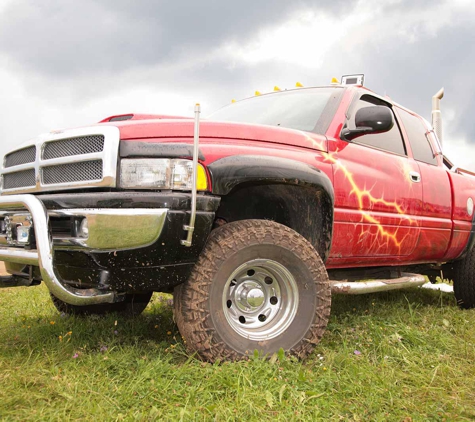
[415, 176]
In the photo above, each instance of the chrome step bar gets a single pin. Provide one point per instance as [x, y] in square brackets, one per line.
[43, 255]
[374, 286]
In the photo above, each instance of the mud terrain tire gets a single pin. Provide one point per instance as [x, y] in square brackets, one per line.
[258, 285]
[133, 305]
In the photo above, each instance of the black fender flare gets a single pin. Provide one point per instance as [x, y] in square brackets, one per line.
[226, 173]
[258, 171]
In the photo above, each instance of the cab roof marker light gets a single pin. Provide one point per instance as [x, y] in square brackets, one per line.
[335, 81]
[233, 101]
[298, 85]
[257, 93]
[276, 88]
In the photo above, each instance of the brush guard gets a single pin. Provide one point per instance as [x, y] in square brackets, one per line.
[43, 256]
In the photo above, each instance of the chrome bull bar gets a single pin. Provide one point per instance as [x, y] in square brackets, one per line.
[43, 255]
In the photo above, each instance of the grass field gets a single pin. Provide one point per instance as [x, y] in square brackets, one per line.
[399, 356]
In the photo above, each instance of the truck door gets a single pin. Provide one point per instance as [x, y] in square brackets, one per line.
[377, 202]
[436, 221]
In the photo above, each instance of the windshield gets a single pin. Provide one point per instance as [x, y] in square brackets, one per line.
[302, 109]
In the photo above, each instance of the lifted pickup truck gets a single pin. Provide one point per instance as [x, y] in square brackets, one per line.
[252, 218]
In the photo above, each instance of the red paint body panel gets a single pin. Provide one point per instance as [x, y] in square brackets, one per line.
[376, 204]
[381, 216]
[180, 128]
[136, 116]
[215, 148]
[463, 188]
[436, 195]
[458, 243]
[437, 224]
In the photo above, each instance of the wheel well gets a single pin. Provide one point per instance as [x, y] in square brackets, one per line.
[306, 210]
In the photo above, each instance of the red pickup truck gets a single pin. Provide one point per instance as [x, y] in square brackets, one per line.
[252, 217]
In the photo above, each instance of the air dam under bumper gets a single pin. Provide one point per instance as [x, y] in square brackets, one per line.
[109, 229]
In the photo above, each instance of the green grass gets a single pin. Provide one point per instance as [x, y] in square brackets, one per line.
[414, 361]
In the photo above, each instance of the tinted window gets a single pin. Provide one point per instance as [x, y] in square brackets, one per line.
[416, 132]
[388, 141]
[301, 109]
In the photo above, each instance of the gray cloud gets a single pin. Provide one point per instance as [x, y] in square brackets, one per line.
[70, 53]
[73, 38]
[411, 72]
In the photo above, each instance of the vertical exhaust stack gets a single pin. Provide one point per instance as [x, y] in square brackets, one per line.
[436, 115]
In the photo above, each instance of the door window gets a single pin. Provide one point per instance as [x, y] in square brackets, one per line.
[417, 134]
[388, 141]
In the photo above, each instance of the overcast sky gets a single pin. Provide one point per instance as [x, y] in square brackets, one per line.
[71, 63]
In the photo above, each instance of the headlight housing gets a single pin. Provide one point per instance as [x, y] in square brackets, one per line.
[160, 173]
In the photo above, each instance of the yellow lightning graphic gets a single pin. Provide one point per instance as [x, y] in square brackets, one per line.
[365, 193]
[317, 144]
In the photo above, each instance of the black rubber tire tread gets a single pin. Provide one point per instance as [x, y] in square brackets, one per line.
[191, 299]
[464, 281]
[133, 305]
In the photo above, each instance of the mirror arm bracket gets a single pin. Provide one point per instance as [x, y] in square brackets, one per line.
[350, 134]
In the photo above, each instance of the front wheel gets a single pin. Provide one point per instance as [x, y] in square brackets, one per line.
[258, 285]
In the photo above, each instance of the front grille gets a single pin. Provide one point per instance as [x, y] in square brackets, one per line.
[19, 179]
[73, 146]
[23, 156]
[82, 158]
[73, 172]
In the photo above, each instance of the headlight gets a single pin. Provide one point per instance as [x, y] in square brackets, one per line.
[163, 173]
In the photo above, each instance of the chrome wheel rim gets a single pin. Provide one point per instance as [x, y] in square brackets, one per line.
[260, 299]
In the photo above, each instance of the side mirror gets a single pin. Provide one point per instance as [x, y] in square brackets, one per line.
[375, 119]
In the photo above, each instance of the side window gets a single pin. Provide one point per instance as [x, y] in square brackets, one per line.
[389, 141]
[416, 132]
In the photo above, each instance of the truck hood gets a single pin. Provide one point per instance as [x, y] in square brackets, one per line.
[183, 128]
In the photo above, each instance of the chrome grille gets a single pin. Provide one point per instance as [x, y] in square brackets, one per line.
[23, 156]
[73, 146]
[81, 158]
[73, 172]
[19, 179]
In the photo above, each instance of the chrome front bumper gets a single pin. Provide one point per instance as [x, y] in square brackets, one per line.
[108, 230]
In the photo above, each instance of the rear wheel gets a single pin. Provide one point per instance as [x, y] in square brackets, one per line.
[464, 281]
[258, 285]
[133, 304]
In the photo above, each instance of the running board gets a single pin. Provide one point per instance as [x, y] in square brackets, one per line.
[374, 286]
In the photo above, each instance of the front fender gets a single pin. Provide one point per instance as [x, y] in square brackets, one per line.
[287, 191]
[229, 172]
